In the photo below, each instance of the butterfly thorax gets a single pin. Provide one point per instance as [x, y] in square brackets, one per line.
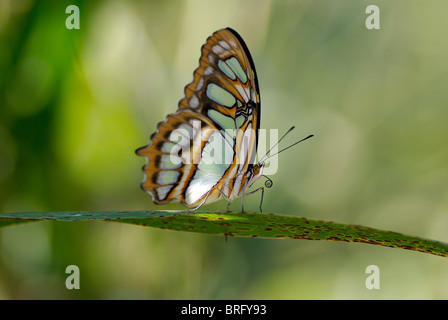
[236, 187]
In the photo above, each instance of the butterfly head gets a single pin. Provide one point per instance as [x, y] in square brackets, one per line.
[257, 173]
[257, 170]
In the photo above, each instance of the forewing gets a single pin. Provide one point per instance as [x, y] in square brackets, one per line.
[225, 80]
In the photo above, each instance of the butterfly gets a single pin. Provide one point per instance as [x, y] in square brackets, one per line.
[205, 151]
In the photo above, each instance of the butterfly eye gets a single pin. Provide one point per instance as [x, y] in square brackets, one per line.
[256, 170]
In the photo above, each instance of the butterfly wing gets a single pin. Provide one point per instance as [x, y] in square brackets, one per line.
[223, 99]
[225, 80]
[225, 89]
[176, 168]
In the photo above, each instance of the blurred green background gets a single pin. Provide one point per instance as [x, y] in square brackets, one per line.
[75, 104]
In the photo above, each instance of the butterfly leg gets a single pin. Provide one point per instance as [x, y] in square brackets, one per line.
[226, 197]
[252, 192]
[242, 203]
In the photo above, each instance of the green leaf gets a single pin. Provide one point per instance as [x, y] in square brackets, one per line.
[5, 222]
[255, 225]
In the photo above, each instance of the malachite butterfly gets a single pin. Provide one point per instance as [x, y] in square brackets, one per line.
[206, 150]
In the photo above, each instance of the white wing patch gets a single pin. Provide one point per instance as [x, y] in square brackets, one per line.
[216, 157]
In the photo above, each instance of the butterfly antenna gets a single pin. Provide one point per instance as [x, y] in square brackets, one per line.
[311, 135]
[267, 153]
